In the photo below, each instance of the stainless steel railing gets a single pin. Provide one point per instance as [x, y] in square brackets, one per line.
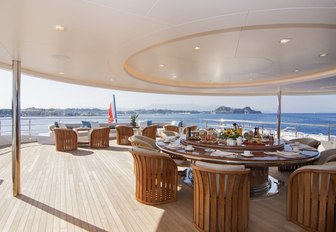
[32, 126]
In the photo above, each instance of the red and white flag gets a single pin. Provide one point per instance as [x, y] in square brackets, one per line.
[110, 115]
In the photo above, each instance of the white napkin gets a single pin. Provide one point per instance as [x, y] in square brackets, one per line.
[288, 154]
[174, 146]
[222, 153]
[169, 139]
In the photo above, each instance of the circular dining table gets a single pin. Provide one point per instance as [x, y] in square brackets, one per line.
[263, 156]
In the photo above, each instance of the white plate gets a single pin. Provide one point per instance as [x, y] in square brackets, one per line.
[189, 149]
[247, 155]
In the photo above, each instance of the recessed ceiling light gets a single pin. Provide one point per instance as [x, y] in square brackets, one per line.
[174, 77]
[297, 70]
[328, 87]
[324, 54]
[196, 48]
[161, 65]
[61, 73]
[251, 79]
[59, 28]
[112, 79]
[284, 41]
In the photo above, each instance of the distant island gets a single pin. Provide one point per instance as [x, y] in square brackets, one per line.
[40, 112]
[229, 110]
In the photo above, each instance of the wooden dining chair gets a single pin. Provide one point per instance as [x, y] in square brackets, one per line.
[171, 128]
[123, 134]
[165, 134]
[156, 176]
[326, 156]
[192, 128]
[100, 137]
[150, 131]
[143, 141]
[221, 197]
[307, 141]
[65, 139]
[311, 199]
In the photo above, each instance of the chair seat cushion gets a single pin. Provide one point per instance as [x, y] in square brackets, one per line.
[331, 166]
[220, 167]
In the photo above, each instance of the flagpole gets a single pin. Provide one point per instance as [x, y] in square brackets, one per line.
[115, 110]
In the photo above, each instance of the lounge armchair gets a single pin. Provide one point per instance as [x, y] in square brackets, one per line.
[65, 139]
[311, 197]
[155, 183]
[123, 133]
[143, 141]
[150, 131]
[221, 197]
[100, 137]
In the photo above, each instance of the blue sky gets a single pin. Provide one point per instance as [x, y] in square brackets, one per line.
[37, 92]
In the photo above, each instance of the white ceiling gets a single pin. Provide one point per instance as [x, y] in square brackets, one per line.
[120, 44]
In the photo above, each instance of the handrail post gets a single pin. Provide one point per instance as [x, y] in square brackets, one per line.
[16, 128]
[329, 132]
[279, 116]
[29, 130]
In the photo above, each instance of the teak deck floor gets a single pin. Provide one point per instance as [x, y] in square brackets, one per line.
[93, 190]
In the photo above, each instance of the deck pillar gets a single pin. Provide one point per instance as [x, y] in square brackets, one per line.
[279, 116]
[16, 132]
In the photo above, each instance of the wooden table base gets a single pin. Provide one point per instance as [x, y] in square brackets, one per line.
[262, 184]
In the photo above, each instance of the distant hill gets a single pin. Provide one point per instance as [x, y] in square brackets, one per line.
[229, 110]
[41, 112]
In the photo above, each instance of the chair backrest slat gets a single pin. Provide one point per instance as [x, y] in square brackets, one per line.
[221, 199]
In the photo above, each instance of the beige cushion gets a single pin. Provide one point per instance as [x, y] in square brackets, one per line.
[62, 125]
[220, 167]
[144, 139]
[326, 156]
[331, 166]
[149, 151]
[165, 134]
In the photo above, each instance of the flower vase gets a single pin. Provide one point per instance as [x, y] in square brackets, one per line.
[231, 142]
[239, 141]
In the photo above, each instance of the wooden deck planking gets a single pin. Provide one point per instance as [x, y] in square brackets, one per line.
[93, 190]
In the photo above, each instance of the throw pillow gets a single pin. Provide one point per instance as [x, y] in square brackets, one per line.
[62, 125]
[86, 124]
[94, 125]
[177, 123]
[56, 125]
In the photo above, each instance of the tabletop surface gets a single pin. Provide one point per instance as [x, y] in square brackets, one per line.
[259, 158]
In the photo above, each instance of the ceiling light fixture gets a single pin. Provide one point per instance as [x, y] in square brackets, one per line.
[59, 28]
[285, 40]
[174, 77]
[297, 70]
[323, 54]
[112, 79]
[162, 65]
[197, 48]
[61, 73]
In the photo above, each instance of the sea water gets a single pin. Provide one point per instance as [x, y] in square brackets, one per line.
[36, 125]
